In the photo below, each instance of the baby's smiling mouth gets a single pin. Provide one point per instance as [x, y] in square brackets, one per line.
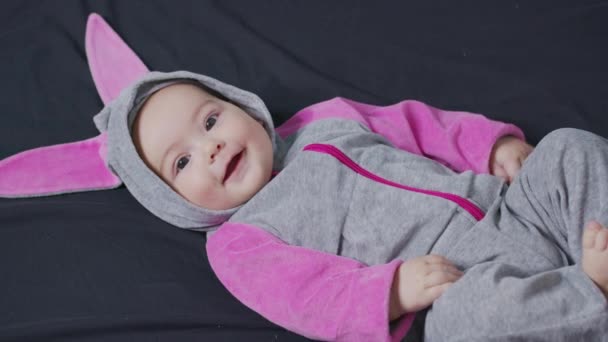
[232, 165]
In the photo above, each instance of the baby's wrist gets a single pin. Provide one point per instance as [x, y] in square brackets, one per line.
[395, 309]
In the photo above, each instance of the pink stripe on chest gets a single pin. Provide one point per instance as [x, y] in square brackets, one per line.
[467, 205]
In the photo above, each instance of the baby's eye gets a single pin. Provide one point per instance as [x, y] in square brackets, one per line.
[210, 122]
[181, 163]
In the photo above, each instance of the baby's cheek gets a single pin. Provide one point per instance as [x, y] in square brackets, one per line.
[190, 189]
[211, 197]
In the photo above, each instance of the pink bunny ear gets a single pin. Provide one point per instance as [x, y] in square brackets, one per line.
[80, 165]
[112, 63]
[57, 169]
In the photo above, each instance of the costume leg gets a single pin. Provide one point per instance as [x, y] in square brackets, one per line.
[562, 187]
[522, 279]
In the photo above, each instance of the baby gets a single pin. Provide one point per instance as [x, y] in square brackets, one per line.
[333, 230]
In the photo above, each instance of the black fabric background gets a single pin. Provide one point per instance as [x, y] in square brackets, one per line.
[97, 267]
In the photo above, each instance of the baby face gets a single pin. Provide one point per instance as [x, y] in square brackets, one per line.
[209, 151]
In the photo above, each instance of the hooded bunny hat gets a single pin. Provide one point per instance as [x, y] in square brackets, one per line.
[111, 159]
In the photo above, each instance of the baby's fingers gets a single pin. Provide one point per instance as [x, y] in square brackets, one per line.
[499, 171]
[446, 267]
[441, 277]
[512, 168]
[432, 293]
[436, 259]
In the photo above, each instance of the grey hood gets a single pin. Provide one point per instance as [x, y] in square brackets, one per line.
[149, 189]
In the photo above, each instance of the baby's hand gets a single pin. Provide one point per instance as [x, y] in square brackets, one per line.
[508, 154]
[418, 282]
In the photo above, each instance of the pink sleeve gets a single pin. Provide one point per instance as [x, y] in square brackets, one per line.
[460, 140]
[315, 294]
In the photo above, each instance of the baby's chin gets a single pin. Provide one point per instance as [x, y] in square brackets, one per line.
[224, 204]
[233, 196]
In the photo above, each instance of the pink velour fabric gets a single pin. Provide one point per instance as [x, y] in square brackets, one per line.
[112, 63]
[318, 295]
[459, 140]
[56, 169]
[80, 165]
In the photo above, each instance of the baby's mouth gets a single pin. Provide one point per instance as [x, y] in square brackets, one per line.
[232, 165]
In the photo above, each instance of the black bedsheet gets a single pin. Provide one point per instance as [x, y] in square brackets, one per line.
[97, 267]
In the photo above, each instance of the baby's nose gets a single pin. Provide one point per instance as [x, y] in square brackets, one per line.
[215, 149]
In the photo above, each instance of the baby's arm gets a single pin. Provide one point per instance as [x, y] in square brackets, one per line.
[461, 140]
[315, 294]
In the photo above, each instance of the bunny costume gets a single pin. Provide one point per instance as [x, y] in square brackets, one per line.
[359, 189]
